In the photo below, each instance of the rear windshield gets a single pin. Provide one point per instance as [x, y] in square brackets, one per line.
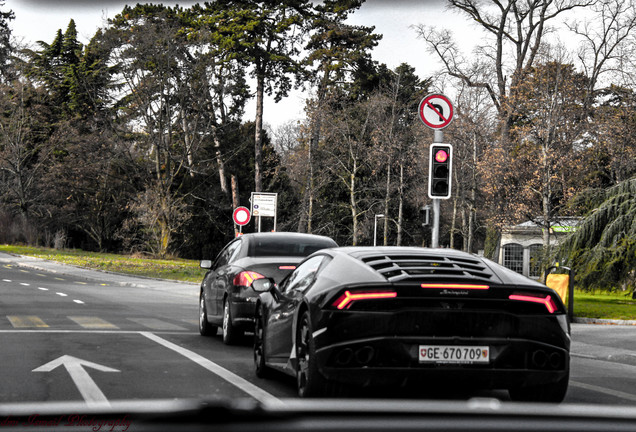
[288, 247]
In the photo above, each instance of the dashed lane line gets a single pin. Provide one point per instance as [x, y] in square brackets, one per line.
[28, 321]
[91, 322]
[156, 324]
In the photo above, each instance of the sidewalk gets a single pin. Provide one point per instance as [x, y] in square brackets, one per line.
[581, 320]
[96, 275]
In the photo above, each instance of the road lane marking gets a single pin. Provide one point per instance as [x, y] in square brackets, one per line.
[598, 389]
[91, 322]
[24, 284]
[28, 321]
[7, 280]
[60, 279]
[81, 283]
[256, 392]
[78, 301]
[61, 294]
[43, 289]
[91, 393]
[156, 324]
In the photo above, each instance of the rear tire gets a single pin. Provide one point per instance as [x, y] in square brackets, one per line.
[230, 333]
[262, 371]
[552, 392]
[205, 328]
[309, 380]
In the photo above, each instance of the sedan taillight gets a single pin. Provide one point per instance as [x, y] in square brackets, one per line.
[245, 278]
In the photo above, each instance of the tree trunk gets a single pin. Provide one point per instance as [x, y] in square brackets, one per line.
[400, 207]
[258, 134]
[220, 164]
[235, 198]
[352, 198]
[188, 145]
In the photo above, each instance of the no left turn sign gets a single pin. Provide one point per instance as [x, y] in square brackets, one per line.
[436, 111]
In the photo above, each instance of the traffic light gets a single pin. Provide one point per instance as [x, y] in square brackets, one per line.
[440, 170]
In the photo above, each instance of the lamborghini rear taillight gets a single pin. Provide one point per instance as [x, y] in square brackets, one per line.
[546, 301]
[347, 299]
[246, 278]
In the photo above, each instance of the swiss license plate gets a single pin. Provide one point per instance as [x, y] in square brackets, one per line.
[461, 354]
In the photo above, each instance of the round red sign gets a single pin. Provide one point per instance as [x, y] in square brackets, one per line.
[241, 216]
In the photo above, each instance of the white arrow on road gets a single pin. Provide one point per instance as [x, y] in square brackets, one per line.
[84, 383]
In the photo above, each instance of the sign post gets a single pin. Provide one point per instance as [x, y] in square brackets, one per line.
[436, 112]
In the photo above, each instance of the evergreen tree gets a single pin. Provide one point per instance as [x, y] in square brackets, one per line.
[603, 248]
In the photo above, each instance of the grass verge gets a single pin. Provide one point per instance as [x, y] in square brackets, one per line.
[604, 305]
[174, 269]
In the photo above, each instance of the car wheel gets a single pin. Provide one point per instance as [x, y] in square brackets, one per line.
[262, 371]
[205, 328]
[552, 393]
[310, 382]
[230, 333]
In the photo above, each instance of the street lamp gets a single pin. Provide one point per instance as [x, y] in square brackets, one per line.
[375, 228]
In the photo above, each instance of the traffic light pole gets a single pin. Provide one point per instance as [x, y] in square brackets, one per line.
[437, 138]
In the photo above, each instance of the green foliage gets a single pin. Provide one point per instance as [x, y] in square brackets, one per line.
[603, 248]
[5, 41]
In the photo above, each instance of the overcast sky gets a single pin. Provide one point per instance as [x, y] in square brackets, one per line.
[40, 20]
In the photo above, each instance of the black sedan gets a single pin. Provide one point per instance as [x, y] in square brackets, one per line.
[225, 299]
[412, 317]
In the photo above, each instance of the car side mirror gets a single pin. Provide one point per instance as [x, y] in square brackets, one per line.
[263, 285]
[206, 264]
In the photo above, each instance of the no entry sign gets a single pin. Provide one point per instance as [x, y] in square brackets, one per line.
[241, 216]
[436, 111]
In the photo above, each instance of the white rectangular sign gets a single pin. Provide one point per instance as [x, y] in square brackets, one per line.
[264, 204]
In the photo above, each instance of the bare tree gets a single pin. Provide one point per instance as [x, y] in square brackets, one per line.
[608, 43]
[515, 30]
[23, 149]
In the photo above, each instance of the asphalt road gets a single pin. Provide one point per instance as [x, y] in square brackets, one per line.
[69, 334]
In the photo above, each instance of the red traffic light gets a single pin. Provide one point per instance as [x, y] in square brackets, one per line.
[440, 171]
[441, 156]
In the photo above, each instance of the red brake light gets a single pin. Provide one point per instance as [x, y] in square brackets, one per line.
[246, 278]
[546, 301]
[287, 267]
[345, 300]
[455, 286]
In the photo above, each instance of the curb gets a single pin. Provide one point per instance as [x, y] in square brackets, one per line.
[601, 321]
